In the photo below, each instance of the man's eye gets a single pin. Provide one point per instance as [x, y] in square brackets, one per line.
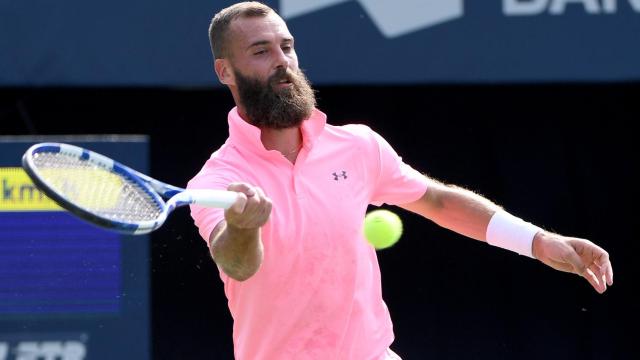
[260, 52]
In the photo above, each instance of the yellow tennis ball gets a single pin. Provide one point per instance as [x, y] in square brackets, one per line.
[382, 228]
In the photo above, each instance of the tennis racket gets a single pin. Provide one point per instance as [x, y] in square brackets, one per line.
[108, 194]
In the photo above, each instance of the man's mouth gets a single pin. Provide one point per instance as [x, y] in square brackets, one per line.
[282, 83]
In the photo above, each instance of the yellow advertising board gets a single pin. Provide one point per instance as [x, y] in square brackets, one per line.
[18, 193]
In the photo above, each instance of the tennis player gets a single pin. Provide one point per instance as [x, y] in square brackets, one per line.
[301, 281]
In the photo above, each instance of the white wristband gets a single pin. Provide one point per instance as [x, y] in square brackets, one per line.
[511, 233]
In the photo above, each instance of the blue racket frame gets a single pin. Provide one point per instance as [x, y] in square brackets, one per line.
[157, 190]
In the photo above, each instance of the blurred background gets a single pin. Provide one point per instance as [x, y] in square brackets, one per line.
[531, 103]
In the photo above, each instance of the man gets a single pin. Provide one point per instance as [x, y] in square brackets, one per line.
[301, 281]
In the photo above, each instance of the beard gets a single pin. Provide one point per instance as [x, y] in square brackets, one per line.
[269, 107]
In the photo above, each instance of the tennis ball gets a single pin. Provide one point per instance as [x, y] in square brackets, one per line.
[382, 228]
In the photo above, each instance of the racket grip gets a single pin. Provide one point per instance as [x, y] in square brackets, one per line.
[211, 198]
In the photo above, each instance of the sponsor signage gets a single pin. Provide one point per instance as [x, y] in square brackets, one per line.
[51, 346]
[18, 193]
[64, 281]
[338, 41]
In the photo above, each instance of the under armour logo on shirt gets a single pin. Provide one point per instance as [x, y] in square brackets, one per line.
[338, 175]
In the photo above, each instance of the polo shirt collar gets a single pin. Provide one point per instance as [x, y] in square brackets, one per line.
[243, 134]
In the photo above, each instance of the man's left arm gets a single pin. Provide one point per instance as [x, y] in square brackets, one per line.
[474, 216]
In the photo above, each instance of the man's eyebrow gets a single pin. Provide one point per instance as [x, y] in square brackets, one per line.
[287, 40]
[258, 43]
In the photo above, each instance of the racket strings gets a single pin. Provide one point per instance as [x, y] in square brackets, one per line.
[96, 188]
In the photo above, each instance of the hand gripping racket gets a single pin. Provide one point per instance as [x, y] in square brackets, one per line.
[107, 193]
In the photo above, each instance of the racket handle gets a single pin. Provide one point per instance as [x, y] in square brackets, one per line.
[210, 198]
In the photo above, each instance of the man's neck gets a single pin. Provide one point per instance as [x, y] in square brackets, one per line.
[287, 141]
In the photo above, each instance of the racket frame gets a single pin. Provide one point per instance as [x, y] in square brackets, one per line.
[154, 188]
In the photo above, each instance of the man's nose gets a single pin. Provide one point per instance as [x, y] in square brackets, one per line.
[282, 60]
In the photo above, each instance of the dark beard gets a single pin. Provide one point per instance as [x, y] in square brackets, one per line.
[276, 109]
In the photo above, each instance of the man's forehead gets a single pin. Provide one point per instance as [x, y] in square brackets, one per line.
[247, 30]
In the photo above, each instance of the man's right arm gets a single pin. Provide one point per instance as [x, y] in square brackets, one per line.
[235, 242]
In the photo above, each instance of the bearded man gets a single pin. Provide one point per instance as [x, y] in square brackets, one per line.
[301, 281]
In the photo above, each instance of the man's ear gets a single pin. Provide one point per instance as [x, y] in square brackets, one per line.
[224, 72]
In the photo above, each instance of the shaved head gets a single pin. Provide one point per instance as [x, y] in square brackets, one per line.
[219, 30]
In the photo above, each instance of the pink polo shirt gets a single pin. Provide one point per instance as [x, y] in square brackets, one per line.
[317, 294]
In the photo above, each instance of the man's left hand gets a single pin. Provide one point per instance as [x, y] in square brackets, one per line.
[574, 255]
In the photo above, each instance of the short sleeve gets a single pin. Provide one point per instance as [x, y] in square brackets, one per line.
[214, 176]
[396, 182]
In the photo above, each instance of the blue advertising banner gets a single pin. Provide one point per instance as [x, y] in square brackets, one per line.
[69, 289]
[165, 43]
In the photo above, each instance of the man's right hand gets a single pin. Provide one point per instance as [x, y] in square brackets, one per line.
[251, 210]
